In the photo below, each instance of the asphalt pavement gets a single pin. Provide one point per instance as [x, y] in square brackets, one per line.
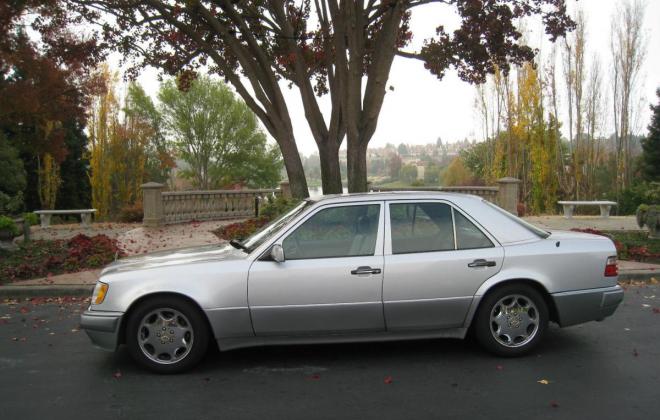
[599, 370]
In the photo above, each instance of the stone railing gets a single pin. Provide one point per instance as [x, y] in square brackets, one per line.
[161, 207]
[505, 194]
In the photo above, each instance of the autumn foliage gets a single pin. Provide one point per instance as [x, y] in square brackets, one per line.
[45, 258]
[46, 81]
[343, 49]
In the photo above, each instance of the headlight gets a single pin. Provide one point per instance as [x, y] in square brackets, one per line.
[100, 290]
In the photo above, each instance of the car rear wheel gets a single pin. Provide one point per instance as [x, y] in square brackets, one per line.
[167, 334]
[511, 320]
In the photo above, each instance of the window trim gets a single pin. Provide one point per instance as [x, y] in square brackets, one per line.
[388, 228]
[378, 248]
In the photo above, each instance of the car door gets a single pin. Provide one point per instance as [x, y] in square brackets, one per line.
[436, 259]
[331, 278]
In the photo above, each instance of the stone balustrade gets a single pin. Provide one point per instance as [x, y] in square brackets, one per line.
[169, 207]
[505, 194]
[161, 207]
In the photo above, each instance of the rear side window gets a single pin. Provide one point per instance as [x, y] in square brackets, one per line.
[421, 227]
[468, 236]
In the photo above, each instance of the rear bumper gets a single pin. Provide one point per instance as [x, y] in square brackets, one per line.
[102, 328]
[578, 306]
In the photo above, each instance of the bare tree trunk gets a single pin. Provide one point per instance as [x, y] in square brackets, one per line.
[357, 166]
[628, 54]
[360, 111]
[552, 76]
[293, 165]
[330, 172]
[509, 128]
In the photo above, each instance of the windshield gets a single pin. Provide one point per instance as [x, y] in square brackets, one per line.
[534, 229]
[268, 231]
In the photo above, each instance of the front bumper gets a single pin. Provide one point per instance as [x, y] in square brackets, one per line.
[102, 328]
[578, 306]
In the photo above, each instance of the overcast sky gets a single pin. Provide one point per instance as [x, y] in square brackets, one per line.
[420, 108]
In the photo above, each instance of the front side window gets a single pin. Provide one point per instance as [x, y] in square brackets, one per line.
[349, 231]
[268, 231]
[421, 227]
[468, 236]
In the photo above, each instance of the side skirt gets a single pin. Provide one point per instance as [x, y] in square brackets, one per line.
[241, 342]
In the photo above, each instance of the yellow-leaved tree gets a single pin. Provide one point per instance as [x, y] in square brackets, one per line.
[116, 153]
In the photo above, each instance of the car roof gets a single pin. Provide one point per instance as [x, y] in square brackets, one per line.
[506, 228]
[393, 195]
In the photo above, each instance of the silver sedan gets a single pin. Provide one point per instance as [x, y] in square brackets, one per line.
[359, 267]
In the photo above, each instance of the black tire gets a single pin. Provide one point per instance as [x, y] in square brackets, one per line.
[197, 323]
[489, 305]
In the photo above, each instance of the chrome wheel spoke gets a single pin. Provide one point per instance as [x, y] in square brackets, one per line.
[526, 321]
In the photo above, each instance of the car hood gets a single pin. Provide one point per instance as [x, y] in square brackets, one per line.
[216, 252]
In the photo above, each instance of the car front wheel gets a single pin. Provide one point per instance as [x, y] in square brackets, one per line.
[167, 334]
[511, 320]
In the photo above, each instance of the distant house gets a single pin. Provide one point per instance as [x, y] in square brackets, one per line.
[420, 172]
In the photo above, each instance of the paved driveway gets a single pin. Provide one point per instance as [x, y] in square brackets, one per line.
[605, 370]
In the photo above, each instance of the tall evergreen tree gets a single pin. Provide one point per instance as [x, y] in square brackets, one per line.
[651, 145]
[75, 192]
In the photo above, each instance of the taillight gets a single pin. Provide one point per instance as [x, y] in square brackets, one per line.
[611, 269]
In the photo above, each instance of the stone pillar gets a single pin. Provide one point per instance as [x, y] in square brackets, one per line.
[285, 188]
[507, 196]
[152, 204]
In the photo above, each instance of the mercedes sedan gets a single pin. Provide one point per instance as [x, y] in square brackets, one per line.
[358, 267]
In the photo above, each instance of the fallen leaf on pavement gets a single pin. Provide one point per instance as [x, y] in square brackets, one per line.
[543, 382]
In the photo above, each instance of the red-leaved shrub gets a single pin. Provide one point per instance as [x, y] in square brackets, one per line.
[41, 258]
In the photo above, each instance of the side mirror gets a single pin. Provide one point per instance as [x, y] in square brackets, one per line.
[277, 253]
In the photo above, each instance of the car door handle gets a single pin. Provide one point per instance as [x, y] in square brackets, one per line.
[481, 263]
[365, 270]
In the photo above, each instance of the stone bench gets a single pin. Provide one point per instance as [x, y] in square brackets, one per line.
[605, 207]
[85, 216]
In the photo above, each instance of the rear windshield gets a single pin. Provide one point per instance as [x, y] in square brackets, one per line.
[530, 227]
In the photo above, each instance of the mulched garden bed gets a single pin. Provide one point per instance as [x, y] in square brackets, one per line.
[43, 258]
[631, 245]
[241, 230]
